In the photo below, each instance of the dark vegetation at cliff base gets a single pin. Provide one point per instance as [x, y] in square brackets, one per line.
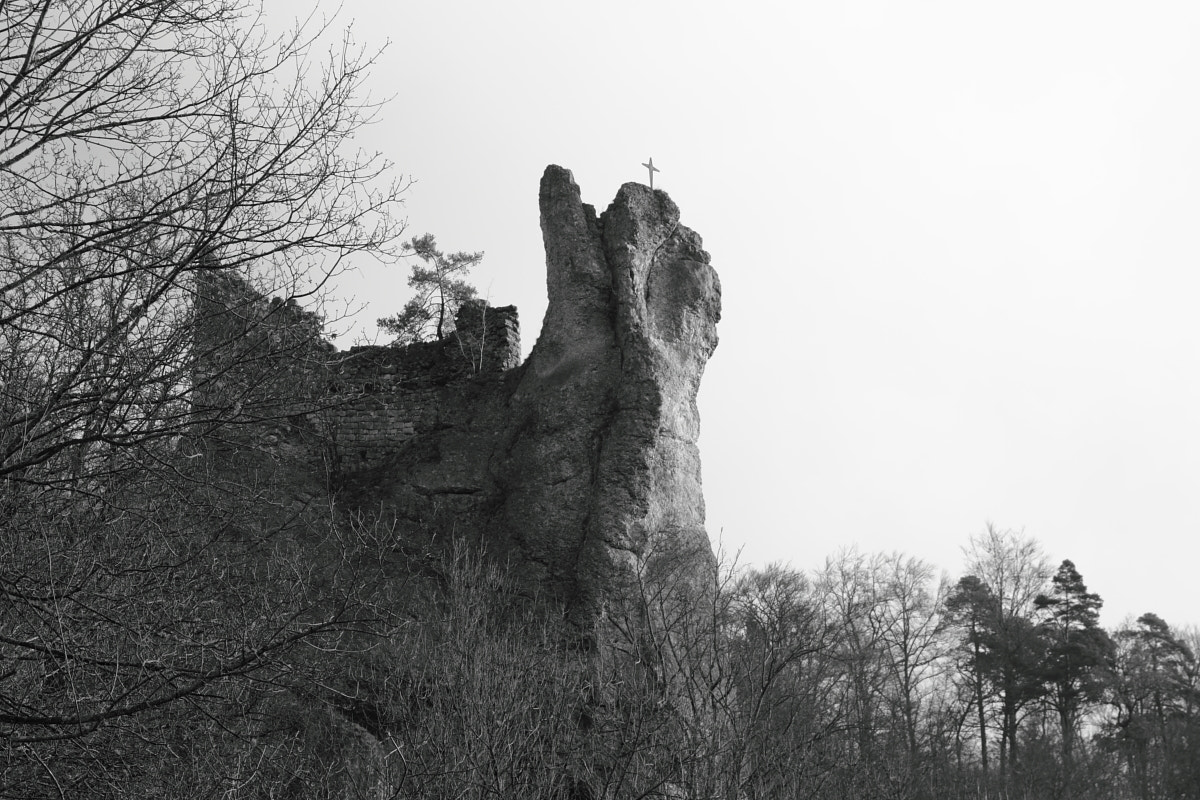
[323, 657]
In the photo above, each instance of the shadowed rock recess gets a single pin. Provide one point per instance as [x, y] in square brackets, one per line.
[580, 466]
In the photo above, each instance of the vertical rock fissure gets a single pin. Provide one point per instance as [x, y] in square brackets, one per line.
[654, 260]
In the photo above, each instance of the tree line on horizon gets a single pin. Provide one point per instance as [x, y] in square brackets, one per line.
[1000, 683]
[874, 676]
[871, 676]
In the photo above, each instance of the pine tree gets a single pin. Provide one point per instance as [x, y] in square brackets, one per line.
[1149, 692]
[1004, 659]
[973, 607]
[1078, 651]
[440, 288]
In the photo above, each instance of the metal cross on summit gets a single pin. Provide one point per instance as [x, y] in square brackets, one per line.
[653, 169]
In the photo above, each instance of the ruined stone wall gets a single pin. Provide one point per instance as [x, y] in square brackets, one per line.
[296, 396]
[383, 396]
[260, 365]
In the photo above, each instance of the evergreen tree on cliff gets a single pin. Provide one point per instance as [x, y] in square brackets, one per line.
[440, 292]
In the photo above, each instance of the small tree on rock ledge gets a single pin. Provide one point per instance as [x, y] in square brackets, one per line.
[440, 288]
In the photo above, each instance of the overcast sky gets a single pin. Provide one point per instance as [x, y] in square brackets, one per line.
[958, 243]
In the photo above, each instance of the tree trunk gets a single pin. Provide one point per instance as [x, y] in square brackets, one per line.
[983, 753]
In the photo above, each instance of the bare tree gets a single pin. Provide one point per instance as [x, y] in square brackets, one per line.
[913, 640]
[145, 143]
[478, 695]
[154, 156]
[782, 657]
[1012, 565]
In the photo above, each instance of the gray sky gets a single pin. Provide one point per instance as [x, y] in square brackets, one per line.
[957, 240]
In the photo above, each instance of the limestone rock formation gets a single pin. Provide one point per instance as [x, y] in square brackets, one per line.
[579, 466]
[603, 457]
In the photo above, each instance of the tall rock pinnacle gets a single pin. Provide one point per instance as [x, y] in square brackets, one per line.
[603, 462]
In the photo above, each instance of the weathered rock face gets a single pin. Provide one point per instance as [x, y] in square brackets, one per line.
[580, 465]
[605, 472]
